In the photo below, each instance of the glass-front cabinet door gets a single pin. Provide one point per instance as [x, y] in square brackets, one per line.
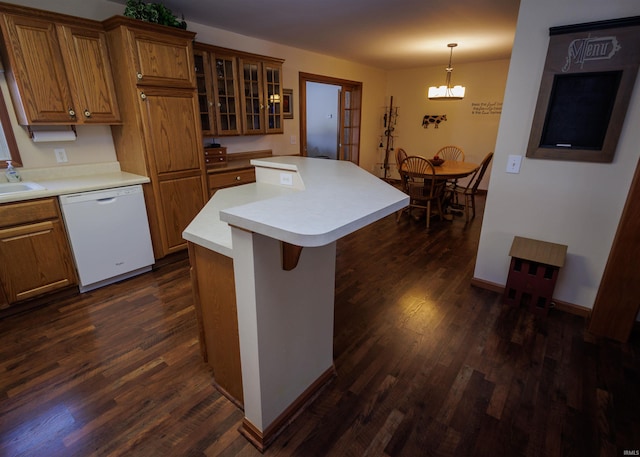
[205, 92]
[272, 76]
[238, 93]
[226, 95]
[252, 96]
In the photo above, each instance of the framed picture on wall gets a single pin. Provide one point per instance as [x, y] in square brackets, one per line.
[287, 103]
[588, 77]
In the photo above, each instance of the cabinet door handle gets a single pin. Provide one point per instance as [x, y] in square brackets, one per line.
[143, 95]
[72, 112]
[139, 76]
[238, 178]
[87, 113]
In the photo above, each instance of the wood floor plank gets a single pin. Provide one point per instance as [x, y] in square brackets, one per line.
[426, 365]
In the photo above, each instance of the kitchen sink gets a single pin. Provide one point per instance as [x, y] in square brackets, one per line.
[14, 187]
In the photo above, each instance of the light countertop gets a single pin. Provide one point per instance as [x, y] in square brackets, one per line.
[72, 179]
[334, 199]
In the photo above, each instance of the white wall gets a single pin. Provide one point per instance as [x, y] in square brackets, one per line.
[472, 123]
[573, 203]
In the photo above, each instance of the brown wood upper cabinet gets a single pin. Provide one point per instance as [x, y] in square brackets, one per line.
[239, 93]
[58, 68]
[161, 60]
[261, 91]
[218, 98]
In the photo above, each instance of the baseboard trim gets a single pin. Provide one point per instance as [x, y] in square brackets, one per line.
[566, 307]
[230, 397]
[262, 439]
[482, 284]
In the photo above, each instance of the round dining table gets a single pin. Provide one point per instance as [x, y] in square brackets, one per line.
[450, 169]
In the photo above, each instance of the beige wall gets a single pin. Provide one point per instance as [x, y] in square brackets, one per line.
[573, 203]
[472, 123]
[408, 88]
[95, 144]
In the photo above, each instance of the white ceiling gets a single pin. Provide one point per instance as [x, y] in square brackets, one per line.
[388, 34]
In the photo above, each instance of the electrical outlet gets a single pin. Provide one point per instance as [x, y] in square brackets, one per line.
[513, 163]
[294, 140]
[286, 179]
[61, 155]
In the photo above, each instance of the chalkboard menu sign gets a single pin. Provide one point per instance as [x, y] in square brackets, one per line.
[588, 78]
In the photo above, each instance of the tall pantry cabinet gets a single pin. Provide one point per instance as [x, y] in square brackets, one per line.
[160, 136]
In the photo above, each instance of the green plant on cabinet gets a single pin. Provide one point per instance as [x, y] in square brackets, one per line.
[156, 13]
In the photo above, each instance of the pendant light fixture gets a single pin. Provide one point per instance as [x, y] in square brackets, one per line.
[447, 92]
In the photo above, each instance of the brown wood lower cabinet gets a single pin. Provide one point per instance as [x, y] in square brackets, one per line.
[213, 286]
[34, 251]
[179, 201]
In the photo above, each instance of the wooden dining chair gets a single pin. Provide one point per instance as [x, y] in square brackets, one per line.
[401, 154]
[419, 181]
[454, 154]
[468, 193]
[451, 152]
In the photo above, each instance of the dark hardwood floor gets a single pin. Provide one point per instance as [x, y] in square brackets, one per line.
[427, 365]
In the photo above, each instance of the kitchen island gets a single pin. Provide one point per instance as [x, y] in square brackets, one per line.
[264, 254]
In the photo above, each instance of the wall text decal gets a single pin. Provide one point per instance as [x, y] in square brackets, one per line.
[485, 108]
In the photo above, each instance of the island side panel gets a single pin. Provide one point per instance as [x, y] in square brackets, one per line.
[285, 323]
[215, 302]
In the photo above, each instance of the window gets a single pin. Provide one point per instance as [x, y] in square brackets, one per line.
[8, 145]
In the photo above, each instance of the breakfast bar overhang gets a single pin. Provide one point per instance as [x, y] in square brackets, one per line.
[276, 239]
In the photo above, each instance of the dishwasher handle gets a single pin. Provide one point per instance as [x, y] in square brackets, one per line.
[106, 201]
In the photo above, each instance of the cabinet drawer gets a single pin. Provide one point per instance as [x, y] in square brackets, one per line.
[215, 152]
[28, 211]
[232, 178]
[215, 161]
[215, 157]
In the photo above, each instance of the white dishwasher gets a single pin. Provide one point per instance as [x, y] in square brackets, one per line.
[109, 234]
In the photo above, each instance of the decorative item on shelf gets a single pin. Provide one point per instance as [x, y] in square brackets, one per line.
[156, 13]
[215, 156]
[434, 120]
[389, 120]
[287, 103]
[447, 92]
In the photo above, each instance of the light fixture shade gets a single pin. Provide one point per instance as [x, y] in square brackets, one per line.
[447, 92]
[450, 93]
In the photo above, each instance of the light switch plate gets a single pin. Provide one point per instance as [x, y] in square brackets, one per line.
[513, 163]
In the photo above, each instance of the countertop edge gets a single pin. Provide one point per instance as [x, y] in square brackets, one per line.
[70, 185]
